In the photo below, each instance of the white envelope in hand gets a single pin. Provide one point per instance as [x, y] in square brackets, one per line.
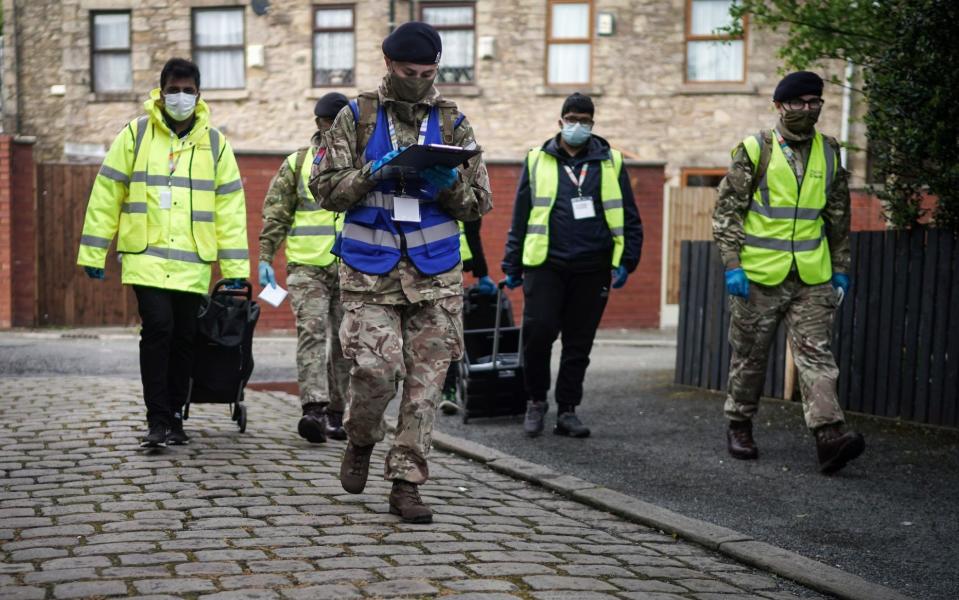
[273, 295]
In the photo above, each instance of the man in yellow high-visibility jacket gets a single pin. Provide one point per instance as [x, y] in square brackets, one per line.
[170, 191]
[782, 226]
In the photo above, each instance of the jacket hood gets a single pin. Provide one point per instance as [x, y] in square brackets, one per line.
[155, 112]
[597, 148]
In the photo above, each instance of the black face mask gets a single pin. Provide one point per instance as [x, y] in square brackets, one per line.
[800, 121]
[410, 89]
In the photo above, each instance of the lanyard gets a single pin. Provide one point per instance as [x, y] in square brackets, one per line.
[174, 157]
[582, 177]
[790, 156]
[422, 138]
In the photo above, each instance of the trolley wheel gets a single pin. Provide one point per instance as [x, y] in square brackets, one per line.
[241, 418]
[235, 411]
[186, 409]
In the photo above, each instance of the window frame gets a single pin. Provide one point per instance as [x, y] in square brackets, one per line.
[689, 37]
[588, 40]
[315, 30]
[241, 47]
[94, 52]
[471, 27]
[686, 172]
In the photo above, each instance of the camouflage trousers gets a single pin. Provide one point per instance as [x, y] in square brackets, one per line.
[809, 312]
[323, 373]
[390, 343]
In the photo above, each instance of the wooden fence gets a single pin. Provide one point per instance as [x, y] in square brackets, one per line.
[896, 336]
[690, 218]
[66, 297]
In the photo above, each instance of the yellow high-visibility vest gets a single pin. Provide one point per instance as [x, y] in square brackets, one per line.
[784, 222]
[170, 226]
[313, 232]
[465, 252]
[543, 184]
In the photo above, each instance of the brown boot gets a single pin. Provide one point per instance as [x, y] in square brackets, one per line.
[836, 447]
[334, 425]
[740, 442]
[405, 501]
[355, 467]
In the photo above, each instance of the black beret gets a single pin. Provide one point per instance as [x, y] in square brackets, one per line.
[414, 42]
[330, 104]
[798, 84]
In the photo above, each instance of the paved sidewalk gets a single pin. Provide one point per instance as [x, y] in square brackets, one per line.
[85, 513]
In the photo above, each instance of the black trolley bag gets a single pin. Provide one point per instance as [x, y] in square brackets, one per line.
[223, 352]
[491, 372]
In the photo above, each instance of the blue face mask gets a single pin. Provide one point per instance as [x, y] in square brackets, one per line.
[576, 134]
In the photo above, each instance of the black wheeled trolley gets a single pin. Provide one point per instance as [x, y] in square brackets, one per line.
[491, 372]
[223, 354]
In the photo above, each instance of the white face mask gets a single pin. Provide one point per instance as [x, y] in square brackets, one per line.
[179, 106]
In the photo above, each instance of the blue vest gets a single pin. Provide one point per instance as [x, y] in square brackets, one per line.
[372, 242]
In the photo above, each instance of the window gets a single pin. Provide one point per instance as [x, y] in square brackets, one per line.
[218, 47]
[713, 54]
[333, 46]
[568, 41]
[455, 23]
[112, 67]
[708, 178]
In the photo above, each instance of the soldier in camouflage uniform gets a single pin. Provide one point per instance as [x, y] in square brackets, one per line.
[290, 214]
[782, 226]
[401, 277]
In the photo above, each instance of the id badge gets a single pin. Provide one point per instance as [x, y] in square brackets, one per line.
[166, 199]
[406, 209]
[583, 207]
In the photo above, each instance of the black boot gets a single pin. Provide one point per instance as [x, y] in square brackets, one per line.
[740, 442]
[535, 417]
[176, 436]
[334, 425]
[155, 437]
[568, 424]
[836, 447]
[312, 426]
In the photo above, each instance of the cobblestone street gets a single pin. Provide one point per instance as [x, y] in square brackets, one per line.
[85, 513]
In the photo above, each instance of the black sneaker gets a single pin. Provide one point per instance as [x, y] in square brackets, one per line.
[156, 437]
[176, 436]
[534, 422]
[569, 424]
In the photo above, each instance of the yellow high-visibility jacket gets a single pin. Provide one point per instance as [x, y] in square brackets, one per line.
[170, 226]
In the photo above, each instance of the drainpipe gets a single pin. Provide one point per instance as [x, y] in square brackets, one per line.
[846, 113]
[17, 47]
[392, 15]
[412, 11]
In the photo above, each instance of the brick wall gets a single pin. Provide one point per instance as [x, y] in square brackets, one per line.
[636, 305]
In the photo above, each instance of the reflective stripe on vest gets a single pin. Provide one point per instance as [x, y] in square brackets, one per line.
[372, 242]
[313, 232]
[543, 169]
[784, 223]
[465, 252]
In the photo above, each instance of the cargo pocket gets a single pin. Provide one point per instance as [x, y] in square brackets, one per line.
[452, 307]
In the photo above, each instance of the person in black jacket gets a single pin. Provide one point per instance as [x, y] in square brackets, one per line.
[575, 230]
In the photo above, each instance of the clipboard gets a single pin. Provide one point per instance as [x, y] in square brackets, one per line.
[419, 157]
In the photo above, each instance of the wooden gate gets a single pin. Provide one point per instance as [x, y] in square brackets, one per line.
[66, 297]
[690, 218]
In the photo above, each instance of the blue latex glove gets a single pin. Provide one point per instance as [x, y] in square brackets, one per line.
[486, 286]
[840, 281]
[95, 273]
[234, 284]
[379, 162]
[736, 283]
[439, 177]
[267, 276]
[619, 277]
[514, 281]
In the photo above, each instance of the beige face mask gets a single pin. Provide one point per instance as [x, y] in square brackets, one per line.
[800, 121]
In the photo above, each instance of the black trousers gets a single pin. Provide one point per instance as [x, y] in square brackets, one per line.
[166, 349]
[561, 302]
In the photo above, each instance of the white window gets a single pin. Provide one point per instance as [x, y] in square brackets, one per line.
[711, 53]
[455, 23]
[568, 42]
[110, 44]
[218, 47]
[333, 46]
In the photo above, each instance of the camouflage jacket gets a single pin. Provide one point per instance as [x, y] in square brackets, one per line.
[339, 184]
[735, 196]
[279, 208]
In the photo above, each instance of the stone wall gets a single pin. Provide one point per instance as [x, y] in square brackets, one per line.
[643, 105]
